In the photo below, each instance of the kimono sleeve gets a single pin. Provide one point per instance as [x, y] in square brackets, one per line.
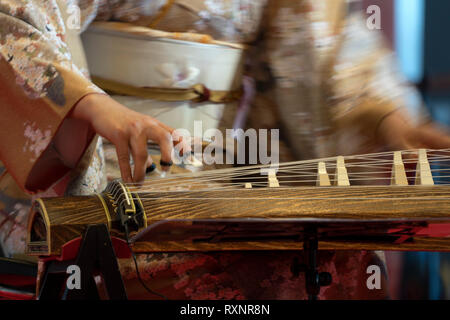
[39, 86]
[366, 83]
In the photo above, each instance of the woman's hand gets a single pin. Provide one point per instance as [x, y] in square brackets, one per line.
[397, 133]
[128, 130]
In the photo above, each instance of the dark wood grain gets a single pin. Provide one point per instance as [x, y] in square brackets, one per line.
[69, 217]
[332, 202]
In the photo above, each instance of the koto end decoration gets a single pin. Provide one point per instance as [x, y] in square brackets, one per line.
[56, 221]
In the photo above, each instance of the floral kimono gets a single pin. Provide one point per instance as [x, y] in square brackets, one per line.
[39, 85]
[320, 75]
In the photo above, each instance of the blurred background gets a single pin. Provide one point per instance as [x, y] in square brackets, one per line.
[416, 31]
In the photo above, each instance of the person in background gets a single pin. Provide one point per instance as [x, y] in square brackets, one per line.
[320, 75]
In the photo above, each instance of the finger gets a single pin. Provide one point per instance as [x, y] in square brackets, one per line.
[433, 138]
[164, 126]
[182, 144]
[149, 161]
[140, 156]
[400, 143]
[409, 157]
[165, 142]
[123, 156]
[150, 165]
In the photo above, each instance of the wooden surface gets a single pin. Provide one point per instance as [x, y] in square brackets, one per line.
[67, 218]
[359, 202]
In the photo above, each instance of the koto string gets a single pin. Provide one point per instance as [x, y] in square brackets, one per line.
[227, 185]
[353, 176]
[300, 172]
[233, 172]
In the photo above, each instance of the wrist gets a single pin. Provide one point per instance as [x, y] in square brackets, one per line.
[85, 108]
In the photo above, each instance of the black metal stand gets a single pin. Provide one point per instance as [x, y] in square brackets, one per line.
[314, 279]
[96, 256]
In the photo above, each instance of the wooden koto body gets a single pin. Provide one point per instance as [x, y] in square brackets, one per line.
[66, 218]
[349, 217]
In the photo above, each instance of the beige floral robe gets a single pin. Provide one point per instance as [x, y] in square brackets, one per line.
[319, 76]
[39, 85]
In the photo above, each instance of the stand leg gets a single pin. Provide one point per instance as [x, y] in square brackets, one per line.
[96, 255]
[54, 280]
[311, 274]
[313, 279]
